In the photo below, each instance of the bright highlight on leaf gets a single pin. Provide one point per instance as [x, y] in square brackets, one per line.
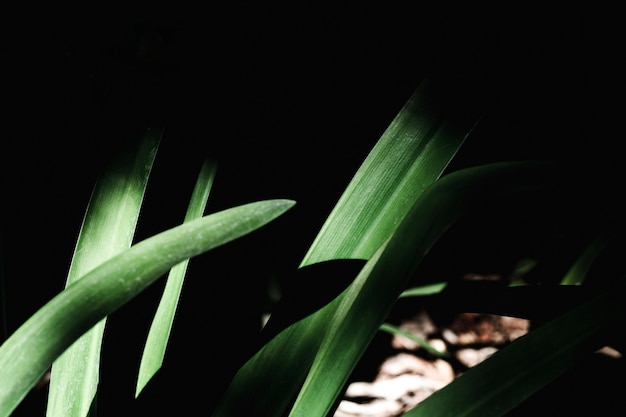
[108, 229]
[367, 302]
[411, 154]
[30, 350]
[393, 212]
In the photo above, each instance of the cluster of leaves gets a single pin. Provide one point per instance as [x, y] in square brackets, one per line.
[393, 212]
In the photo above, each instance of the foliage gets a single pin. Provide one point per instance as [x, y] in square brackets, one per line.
[400, 204]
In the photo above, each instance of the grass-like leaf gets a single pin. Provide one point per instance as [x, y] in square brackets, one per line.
[577, 273]
[513, 374]
[108, 228]
[424, 290]
[427, 289]
[395, 330]
[369, 299]
[31, 349]
[410, 155]
[158, 336]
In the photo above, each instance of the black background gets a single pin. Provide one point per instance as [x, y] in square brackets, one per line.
[289, 103]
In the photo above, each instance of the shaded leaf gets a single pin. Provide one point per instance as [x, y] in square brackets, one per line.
[578, 272]
[309, 289]
[370, 298]
[159, 333]
[513, 374]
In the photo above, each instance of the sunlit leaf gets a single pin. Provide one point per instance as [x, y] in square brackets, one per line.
[158, 336]
[108, 229]
[409, 156]
[30, 350]
[424, 290]
[369, 300]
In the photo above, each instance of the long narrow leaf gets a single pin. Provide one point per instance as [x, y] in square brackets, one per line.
[369, 300]
[108, 228]
[510, 376]
[31, 349]
[410, 155]
[577, 273]
[423, 343]
[158, 336]
[427, 289]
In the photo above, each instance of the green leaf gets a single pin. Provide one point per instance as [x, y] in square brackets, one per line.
[427, 289]
[394, 330]
[409, 156]
[370, 298]
[31, 349]
[513, 374]
[158, 336]
[307, 290]
[577, 273]
[108, 229]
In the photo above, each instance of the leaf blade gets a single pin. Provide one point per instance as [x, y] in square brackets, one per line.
[32, 348]
[158, 335]
[108, 228]
[519, 370]
[410, 155]
[282, 364]
[368, 301]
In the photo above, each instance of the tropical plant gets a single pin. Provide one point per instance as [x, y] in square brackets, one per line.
[406, 197]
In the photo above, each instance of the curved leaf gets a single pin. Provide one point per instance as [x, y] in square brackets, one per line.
[410, 155]
[366, 303]
[507, 378]
[31, 349]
